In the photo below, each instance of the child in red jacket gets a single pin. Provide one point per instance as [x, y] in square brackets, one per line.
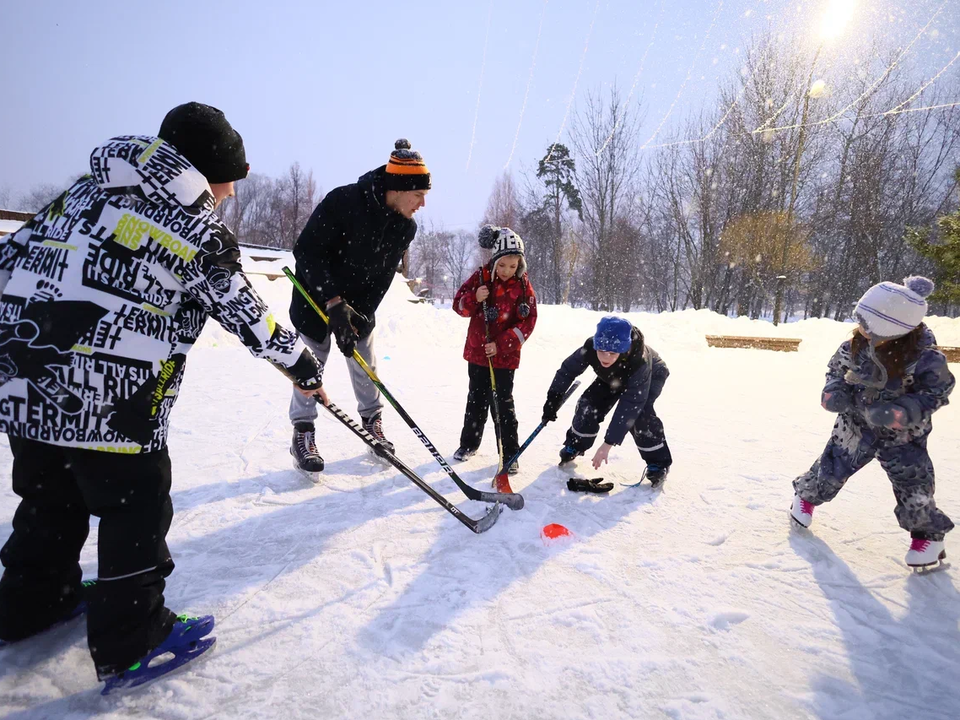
[503, 290]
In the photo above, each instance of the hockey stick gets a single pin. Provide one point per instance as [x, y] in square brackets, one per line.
[511, 500]
[494, 402]
[541, 426]
[478, 526]
[501, 482]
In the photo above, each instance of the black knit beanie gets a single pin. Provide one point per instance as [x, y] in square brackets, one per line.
[203, 136]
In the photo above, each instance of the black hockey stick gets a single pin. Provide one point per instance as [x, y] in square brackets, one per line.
[511, 500]
[478, 526]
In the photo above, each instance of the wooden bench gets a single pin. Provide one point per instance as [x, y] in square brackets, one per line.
[952, 353]
[269, 275]
[755, 343]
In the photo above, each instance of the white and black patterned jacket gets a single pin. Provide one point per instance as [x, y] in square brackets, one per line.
[106, 290]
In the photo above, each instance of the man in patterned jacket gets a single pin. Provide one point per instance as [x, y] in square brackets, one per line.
[103, 294]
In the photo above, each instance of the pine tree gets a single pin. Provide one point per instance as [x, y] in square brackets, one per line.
[557, 171]
[941, 244]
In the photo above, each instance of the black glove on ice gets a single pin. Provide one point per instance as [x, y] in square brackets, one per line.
[342, 326]
[593, 485]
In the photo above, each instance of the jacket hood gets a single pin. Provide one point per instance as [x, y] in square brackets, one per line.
[152, 169]
[372, 184]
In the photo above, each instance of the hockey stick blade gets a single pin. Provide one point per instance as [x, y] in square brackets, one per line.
[476, 525]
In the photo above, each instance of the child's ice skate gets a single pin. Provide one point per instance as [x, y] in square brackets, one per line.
[464, 453]
[656, 475]
[187, 640]
[925, 554]
[801, 511]
[568, 454]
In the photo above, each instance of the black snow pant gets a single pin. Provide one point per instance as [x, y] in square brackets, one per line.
[593, 406]
[478, 404]
[59, 489]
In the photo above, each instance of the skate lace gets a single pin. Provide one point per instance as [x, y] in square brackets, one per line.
[375, 428]
[919, 544]
[806, 507]
[306, 442]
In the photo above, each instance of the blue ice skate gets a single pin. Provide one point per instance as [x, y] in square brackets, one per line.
[185, 642]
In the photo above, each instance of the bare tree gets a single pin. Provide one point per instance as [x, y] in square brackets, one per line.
[604, 135]
[38, 197]
[503, 206]
[462, 256]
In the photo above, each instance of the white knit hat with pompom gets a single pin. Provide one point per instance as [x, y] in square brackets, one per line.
[888, 310]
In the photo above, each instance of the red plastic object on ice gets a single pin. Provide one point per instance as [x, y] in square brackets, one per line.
[554, 533]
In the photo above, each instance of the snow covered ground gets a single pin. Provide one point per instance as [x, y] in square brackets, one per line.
[360, 597]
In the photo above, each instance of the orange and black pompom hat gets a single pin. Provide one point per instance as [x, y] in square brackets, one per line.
[406, 169]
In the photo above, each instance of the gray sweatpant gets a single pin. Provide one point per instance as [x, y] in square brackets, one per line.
[304, 409]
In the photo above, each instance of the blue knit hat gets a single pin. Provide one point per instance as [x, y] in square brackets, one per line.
[613, 335]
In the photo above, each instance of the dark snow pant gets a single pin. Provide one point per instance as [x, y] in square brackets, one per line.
[478, 404]
[593, 406]
[907, 465]
[60, 488]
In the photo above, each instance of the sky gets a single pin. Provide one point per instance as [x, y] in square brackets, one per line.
[477, 87]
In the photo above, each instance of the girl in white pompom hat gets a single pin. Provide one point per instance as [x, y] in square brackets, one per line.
[885, 383]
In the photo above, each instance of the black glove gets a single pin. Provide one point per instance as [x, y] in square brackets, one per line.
[594, 485]
[551, 406]
[342, 319]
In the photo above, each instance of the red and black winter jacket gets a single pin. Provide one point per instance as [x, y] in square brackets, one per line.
[509, 331]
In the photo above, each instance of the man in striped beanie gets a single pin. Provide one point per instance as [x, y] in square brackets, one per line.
[347, 256]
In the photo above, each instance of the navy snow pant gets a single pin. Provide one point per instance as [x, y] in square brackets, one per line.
[907, 465]
[593, 406]
[60, 488]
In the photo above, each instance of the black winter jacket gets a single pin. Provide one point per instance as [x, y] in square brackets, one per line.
[350, 247]
[629, 377]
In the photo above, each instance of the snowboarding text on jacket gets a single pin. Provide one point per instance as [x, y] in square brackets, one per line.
[106, 290]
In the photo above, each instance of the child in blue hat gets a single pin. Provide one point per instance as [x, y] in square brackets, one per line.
[630, 375]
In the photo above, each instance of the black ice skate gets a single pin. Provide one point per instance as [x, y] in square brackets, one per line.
[306, 459]
[374, 426]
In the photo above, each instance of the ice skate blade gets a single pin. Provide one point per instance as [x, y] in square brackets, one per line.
[936, 566]
[796, 523]
[177, 665]
[315, 477]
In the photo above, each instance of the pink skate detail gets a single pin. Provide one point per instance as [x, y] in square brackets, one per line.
[805, 507]
[919, 545]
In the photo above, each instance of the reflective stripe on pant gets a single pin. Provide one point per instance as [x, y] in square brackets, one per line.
[304, 409]
[648, 433]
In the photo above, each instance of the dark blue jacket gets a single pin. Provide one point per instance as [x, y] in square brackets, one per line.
[630, 377]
